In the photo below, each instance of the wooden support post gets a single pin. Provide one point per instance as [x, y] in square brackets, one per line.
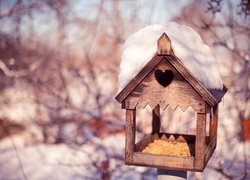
[156, 122]
[130, 135]
[213, 124]
[200, 141]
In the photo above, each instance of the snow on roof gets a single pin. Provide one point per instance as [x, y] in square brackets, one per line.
[187, 45]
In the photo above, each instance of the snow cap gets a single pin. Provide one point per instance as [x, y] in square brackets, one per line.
[187, 45]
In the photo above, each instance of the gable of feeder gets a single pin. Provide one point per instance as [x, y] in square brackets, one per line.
[177, 93]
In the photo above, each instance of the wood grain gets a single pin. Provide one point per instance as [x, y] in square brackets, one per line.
[165, 162]
[130, 135]
[200, 141]
[138, 78]
[178, 93]
[213, 123]
[164, 45]
[156, 121]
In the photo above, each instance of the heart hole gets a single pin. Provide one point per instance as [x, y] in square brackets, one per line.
[164, 78]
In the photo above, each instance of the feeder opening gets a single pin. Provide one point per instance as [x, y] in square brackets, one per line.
[176, 135]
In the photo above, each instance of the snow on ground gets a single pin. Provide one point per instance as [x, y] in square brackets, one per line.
[38, 161]
[187, 45]
[61, 162]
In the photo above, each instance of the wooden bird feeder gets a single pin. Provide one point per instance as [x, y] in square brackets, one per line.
[165, 81]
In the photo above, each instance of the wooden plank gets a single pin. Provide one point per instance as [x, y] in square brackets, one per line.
[194, 82]
[138, 78]
[200, 140]
[164, 45]
[130, 135]
[156, 121]
[166, 162]
[127, 104]
[209, 150]
[213, 123]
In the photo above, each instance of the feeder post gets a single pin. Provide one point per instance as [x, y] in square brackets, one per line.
[164, 174]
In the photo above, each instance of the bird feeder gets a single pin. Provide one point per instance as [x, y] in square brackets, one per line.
[165, 81]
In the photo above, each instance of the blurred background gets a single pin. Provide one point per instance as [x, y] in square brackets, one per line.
[59, 66]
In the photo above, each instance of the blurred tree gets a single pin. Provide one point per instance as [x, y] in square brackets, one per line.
[215, 6]
[60, 65]
[222, 26]
[228, 34]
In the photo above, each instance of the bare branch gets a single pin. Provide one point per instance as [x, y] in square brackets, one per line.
[20, 73]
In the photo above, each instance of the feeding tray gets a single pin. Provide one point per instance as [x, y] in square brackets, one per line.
[170, 145]
[165, 81]
[175, 151]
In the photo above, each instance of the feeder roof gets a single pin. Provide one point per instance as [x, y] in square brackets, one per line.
[187, 45]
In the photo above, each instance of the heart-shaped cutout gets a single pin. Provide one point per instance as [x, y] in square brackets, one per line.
[164, 78]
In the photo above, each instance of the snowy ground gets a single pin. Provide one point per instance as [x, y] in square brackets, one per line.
[58, 161]
[38, 162]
